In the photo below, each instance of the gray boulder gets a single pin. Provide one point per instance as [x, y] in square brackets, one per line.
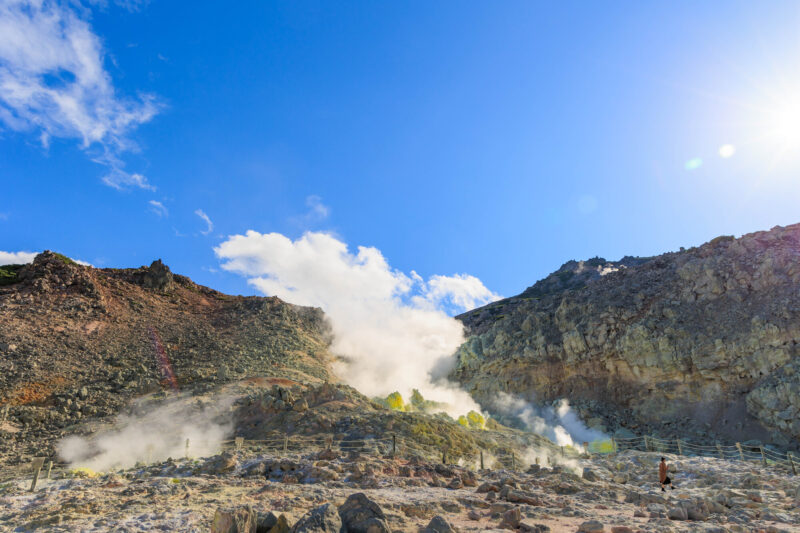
[438, 524]
[322, 519]
[359, 514]
[234, 520]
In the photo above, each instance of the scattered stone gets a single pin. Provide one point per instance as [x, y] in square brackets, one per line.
[511, 519]
[455, 483]
[677, 513]
[591, 526]
[281, 525]
[265, 522]
[438, 524]
[322, 519]
[527, 527]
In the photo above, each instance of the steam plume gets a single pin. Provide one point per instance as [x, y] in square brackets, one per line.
[390, 326]
[559, 423]
[152, 434]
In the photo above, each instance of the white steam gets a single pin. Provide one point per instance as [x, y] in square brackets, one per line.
[390, 326]
[559, 423]
[152, 435]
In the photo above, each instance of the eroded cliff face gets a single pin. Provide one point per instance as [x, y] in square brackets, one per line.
[78, 343]
[701, 342]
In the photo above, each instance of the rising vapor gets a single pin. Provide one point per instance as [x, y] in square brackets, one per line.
[390, 327]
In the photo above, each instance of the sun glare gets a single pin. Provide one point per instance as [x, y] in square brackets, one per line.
[782, 128]
[726, 151]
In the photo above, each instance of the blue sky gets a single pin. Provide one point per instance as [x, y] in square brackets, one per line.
[496, 139]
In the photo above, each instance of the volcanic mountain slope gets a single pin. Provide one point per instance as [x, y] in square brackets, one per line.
[78, 342]
[699, 343]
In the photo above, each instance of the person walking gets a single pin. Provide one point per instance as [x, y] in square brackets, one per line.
[663, 478]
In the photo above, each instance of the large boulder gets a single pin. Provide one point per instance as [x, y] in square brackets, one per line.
[438, 524]
[359, 514]
[234, 520]
[322, 519]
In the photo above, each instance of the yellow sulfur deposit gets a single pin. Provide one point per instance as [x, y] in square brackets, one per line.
[395, 401]
[601, 446]
[83, 472]
[476, 420]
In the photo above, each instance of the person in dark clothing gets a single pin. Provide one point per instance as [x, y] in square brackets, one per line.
[663, 478]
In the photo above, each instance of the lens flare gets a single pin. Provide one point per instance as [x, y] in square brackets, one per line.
[726, 151]
[694, 163]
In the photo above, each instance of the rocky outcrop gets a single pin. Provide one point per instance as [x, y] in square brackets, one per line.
[157, 276]
[78, 343]
[699, 342]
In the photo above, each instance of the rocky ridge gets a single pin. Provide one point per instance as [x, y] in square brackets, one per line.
[78, 343]
[699, 344]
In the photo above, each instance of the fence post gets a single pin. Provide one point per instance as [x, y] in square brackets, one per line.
[394, 444]
[680, 450]
[763, 457]
[562, 451]
[614, 444]
[513, 461]
[186, 453]
[741, 453]
[719, 449]
[646, 444]
[481, 459]
[444, 456]
[791, 462]
[49, 468]
[285, 443]
[537, 459]
[37, 467]
[586, 449]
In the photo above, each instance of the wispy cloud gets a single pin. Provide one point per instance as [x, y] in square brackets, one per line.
[317, 212]
[53, 84]
[210, 225]
[158, 208]
[316, 208]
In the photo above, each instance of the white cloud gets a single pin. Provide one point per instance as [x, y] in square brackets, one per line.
[16, 258]
[460, 291]
[385, 322]
[53, 83]
[122, 180]
[158, 208]
[210, 225]
[21, 258]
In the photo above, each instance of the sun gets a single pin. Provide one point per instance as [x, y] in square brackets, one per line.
[782, 126]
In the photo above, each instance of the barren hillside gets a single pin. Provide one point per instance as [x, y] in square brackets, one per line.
[700, 343]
